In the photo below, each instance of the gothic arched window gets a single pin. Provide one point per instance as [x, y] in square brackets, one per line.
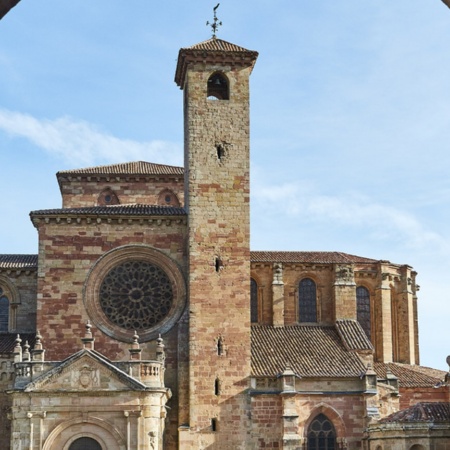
[363, 308]
[218, 87]
[307, 301]
[4, 312]
[321, 434]
[253, 301]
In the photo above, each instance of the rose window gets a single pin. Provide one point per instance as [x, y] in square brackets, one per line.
[136, 295]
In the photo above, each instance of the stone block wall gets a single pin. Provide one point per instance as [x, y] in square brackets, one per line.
[67, 253]
[80, 192]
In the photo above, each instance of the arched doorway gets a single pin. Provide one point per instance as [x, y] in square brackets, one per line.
[85, 443]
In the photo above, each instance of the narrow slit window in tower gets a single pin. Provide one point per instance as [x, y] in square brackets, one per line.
[216, 386]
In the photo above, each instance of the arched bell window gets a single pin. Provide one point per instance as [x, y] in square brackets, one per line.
[307, 300]
[363, 309]
[321, 434]
[218, 88]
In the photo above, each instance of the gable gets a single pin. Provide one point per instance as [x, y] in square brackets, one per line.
[84, 373]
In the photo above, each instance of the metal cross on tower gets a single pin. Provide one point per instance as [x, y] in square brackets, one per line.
[216, 23]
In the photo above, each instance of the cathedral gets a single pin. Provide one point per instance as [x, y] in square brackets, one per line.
[146, 322]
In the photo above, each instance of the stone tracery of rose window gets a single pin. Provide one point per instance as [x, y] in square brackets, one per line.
[136, 295]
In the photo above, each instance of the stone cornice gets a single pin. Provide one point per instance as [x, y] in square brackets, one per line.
[86, 219]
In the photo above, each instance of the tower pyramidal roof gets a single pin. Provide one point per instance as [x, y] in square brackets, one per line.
[212, 51]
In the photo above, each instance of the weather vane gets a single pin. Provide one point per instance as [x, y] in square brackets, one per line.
[216, 22]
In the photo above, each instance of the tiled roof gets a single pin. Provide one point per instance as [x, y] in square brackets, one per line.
[310, 351]
[115, 210]
[307, 257]
[353, 335]
[421, 412]
[18, 261]
[7, 341]
[129, 168]
[410, 375]
[218, 45]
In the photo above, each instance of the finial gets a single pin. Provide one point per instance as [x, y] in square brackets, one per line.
[160, 354]
[135, 350]
[26, 352]
[216, 23]
[88, 340]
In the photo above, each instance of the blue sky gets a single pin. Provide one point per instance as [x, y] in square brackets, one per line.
[350, 120]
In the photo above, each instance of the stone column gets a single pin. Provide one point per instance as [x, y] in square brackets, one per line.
[384, 316]
[278, 295]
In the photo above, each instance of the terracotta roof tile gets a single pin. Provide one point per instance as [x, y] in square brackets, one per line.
[211, 51]
[129, 168]
[217, 45]
[114, 210]
[421, 412]
[7, 341]
[18, 261]
[308, 257]
[410, 375]
[352, 335]
[311, 351]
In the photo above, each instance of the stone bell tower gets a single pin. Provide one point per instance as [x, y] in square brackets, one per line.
[214, 76]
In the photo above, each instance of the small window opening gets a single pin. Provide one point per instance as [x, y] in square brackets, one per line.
[218, 264]
[214, 424]
[168, 197]
[217, 387]
[220, 346]
[218, 87]
[220, 151]
[107, 197]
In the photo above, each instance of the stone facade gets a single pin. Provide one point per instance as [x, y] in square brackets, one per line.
[262, 350]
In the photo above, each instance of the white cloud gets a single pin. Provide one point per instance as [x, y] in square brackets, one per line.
[380, 222]
[79, 142]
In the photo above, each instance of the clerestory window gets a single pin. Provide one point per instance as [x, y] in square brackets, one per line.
[4, 312]
[307, 301]
[363, 309]
[253, 301]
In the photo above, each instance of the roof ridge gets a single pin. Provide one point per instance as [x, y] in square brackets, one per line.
[126, 168]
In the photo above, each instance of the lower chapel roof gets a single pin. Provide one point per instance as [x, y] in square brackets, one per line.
[410, 376]
[309, 350]
[421, 412]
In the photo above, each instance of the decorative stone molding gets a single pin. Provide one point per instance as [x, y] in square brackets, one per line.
[67, 220]
[344, 275]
